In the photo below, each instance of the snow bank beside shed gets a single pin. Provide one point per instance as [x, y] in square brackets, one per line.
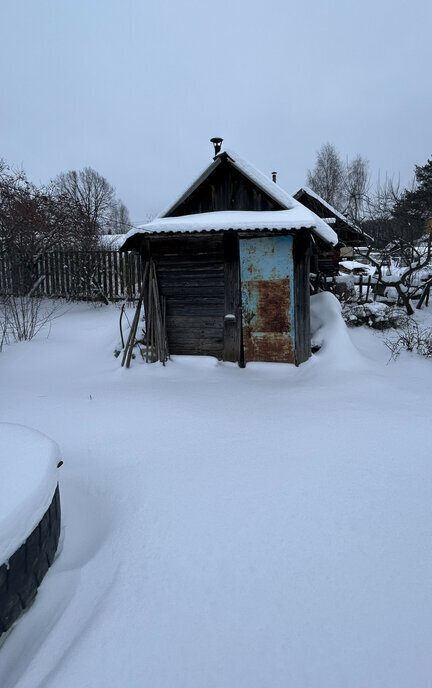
[330, 333]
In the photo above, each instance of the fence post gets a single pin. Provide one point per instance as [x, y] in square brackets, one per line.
[368, 287]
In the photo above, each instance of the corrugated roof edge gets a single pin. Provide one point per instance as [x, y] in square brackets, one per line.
[293, 219]
[150, 231]
[220, 231]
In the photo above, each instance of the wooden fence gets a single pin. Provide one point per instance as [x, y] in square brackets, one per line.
[368, 287]
[94, 275]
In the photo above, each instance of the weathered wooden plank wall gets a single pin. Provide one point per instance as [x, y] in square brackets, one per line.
[77, 275]
[190, 274]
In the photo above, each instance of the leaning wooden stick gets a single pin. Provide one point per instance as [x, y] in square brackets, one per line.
[133, 334]
[149, 314]
[127, 355]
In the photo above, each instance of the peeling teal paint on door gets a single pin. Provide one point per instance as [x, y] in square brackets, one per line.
[267, 289]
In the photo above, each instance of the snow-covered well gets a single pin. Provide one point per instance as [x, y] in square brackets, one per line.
[28, 479]
[29, 518]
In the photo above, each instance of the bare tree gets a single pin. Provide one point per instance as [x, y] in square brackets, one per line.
[92, 197]
[357, 188]
[344, 185]
[328, 176]
[119, 220]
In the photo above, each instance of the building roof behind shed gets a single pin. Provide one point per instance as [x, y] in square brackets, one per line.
[326, 210]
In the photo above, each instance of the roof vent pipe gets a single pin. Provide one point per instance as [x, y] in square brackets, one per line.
[274, 174]
[217, 142]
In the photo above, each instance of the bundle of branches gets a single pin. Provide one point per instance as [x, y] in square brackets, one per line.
[155, 337]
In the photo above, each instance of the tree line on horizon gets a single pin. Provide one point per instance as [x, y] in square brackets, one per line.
[72, 211]
[384, 210]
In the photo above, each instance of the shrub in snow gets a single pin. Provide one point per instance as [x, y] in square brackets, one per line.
[379, 316]
[22, 317]
[411, 337]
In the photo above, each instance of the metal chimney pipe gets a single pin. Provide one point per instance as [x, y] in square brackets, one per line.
[274, 174]
[217, 142]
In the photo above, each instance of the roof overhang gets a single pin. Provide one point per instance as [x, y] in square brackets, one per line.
[293, 220]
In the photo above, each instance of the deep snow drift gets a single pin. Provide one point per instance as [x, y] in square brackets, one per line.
[225, 527]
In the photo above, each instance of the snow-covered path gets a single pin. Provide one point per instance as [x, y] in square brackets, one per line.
[224, 527]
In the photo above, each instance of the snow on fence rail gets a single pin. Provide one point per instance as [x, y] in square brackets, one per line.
[368, 286]
[93, 275]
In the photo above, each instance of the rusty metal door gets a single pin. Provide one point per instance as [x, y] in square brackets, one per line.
[267, 290]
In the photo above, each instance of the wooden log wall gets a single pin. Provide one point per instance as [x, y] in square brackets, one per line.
[78, 275]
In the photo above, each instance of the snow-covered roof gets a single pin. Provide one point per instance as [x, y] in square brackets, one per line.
[293, 216]
[296, 218]
[250, 171]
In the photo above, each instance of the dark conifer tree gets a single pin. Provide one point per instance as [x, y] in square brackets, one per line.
[414, 209]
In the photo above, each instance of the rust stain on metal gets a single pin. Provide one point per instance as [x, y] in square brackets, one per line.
[273, 306]
[272, 347]
[267, 330]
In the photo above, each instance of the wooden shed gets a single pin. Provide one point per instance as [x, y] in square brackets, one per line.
[232, 259]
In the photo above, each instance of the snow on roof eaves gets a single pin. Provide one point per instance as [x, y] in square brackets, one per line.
[295, 218]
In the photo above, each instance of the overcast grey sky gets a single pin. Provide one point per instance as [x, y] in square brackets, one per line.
[135, 89]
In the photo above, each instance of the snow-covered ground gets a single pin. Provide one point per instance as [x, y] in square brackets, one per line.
[266, 527]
